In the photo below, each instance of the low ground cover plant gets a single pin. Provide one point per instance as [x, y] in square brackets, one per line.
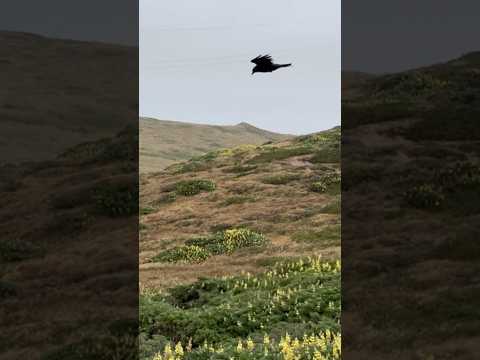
[291, 311]
[194, 187]
[222, 242]
[425, 196]
[328, 181]
[456, 186]
[117, 201]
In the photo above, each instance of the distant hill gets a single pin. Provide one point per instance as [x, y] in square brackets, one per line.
[163, 143]
[58, 93]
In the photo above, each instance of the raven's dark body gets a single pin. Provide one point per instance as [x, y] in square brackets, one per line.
[265, 64]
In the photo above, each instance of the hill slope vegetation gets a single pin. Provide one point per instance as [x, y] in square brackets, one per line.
[411, 182]
[68, 274]
[163, 143]
[239, 250]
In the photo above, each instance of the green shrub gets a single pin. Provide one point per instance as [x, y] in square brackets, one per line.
[227, 241]
[458, 176]
[329, 182]
[325, 137]
[239, 238]
[426, 196]
[409, 85]
[194, 187]
[318, 186]
[189, 254]
[147, 210]
[17, 250]
[223, 242]
[327, 154]
[301, 297]
[454, 187]
[117, 201]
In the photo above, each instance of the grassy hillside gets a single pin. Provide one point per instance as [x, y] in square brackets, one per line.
[164, 142]
[238, 250]
[411, 161]
[56, 93]
[68, 270]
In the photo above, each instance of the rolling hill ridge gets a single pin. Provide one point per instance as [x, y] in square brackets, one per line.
[163, 143]
[70, 92]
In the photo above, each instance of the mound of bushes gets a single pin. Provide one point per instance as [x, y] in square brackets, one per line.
[409, 85]
[327, 154]
[245, 315]
[326, 183]
[425, 196]
[456, 185]
[324, 137]
[17, 250]
[189, 253]
[117, 201]
[194, 187]
[223, 242]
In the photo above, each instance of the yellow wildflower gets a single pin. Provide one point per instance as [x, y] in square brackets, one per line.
[179, 349]
[250, 344]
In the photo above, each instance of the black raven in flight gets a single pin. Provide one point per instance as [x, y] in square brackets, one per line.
[264, 64]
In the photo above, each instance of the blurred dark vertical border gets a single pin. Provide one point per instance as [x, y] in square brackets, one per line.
[410, 180]
[69, 179]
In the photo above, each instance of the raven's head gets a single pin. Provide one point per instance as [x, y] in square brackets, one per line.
[254, 70]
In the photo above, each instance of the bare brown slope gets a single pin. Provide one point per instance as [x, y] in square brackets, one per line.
[163, 143]
[57, 93]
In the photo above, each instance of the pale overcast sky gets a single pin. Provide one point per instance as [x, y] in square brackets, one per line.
[195, 62]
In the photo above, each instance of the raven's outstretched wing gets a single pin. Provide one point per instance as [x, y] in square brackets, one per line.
[263, 60]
